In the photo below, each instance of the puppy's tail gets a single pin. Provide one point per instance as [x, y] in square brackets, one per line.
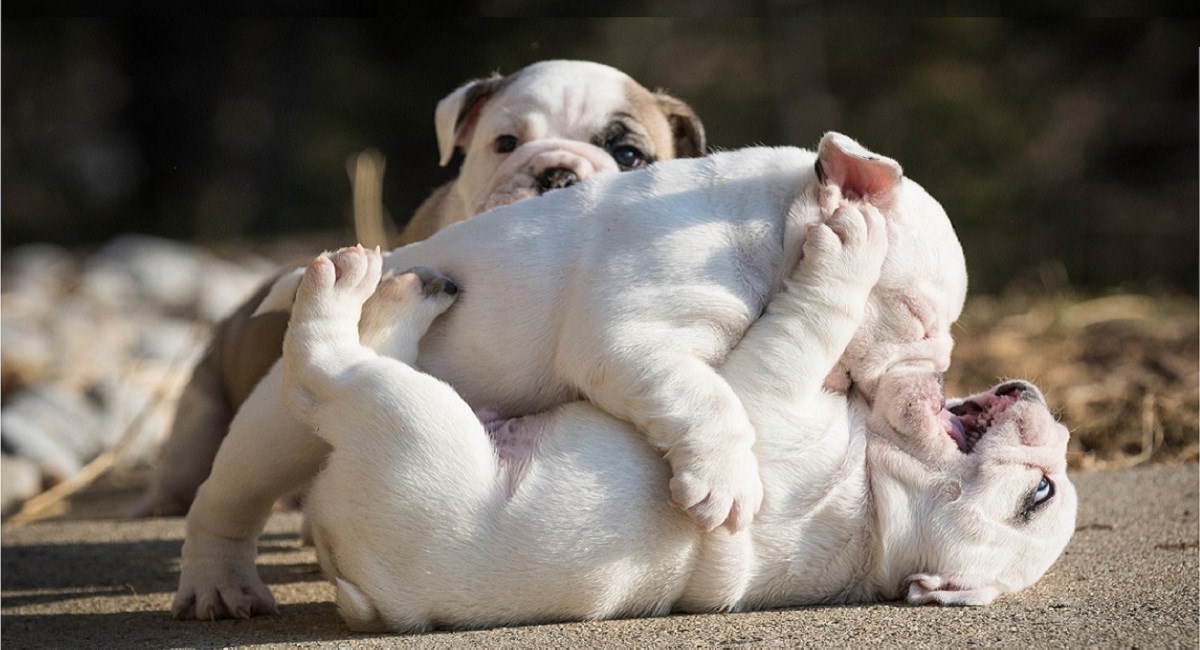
[356, 609]
[371, 225]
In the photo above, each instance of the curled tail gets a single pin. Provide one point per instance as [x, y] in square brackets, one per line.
[356, 609]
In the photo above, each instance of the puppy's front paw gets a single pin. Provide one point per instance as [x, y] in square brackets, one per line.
[212, 589]
[719, 487]
[851, 243]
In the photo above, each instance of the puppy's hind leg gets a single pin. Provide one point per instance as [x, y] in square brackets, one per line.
[328, 369]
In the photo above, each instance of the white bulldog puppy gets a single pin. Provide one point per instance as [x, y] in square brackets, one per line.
[627, 289]
[425, 517]
[546, 126]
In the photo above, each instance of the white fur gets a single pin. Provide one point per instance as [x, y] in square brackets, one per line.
[419, 525]
[557, 109]
[626, 289]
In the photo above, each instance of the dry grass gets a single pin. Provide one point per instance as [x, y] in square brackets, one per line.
[1122, 369]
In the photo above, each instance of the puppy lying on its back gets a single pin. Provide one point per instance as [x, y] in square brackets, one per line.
[425, 517]
[547, 126]
[626, 289]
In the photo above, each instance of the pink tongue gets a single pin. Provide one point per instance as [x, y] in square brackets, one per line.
[954, 426]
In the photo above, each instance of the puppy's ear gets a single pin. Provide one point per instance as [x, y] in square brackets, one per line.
[859, 173]
[687, 131]
[458, 112]
[925, 589]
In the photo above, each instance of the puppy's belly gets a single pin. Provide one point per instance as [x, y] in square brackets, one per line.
[515, 441]
[585, 533]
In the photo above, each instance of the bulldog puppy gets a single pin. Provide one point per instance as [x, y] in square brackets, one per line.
[425, 517]
[547, 126]
[626, 289]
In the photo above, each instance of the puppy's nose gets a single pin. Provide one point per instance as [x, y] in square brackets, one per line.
[556, 178]
[1023, 390]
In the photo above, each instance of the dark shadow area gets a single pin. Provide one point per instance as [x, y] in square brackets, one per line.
[309, 622]
[121, 568]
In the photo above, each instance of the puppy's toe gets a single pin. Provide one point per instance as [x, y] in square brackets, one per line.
[321, 273]
[712, 511]
[722, 491]
[356, 268]
[246, 601]
[849, 224]
[397, 288]
[209, 606]
[184, 605]
[434, 283]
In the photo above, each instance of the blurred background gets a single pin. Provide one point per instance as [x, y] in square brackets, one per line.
[1065, 153]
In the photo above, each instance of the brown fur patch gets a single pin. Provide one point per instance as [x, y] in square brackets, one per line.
[671, 125]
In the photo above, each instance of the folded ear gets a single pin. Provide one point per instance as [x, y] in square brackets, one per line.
[687, 131]
[925, 588]
[458, 112]
[846, 164]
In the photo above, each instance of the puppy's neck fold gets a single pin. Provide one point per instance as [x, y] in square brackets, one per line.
[900, 489]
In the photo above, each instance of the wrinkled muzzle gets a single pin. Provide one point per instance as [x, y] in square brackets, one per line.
[541, 166]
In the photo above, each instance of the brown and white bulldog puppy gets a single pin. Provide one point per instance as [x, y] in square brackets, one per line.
[547, 126]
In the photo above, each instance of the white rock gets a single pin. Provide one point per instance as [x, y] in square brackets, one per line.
[57, 429]
[19, 480]
[27, 353]
[38, 269]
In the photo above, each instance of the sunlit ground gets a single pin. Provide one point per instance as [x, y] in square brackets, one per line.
[1121, 370]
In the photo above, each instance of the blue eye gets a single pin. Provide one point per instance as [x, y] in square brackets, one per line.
[1044, 491]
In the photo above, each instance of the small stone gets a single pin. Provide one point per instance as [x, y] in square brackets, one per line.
[19, 480]
[55, 428]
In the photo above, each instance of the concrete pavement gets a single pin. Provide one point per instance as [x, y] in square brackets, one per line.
[1129, 578]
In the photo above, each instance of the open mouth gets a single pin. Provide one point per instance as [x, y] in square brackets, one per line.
[969, 421]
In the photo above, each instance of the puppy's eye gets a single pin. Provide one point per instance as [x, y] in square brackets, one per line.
[1044, 491]
[629, 157]
[506, 143]
[1034, 501]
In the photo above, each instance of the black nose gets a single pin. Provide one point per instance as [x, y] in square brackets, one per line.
[556, 178]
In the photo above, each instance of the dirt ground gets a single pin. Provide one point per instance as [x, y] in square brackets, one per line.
[1121, 369]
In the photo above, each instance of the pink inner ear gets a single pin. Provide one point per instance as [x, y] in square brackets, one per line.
[867, 179]
[860, 174]
[860, 177]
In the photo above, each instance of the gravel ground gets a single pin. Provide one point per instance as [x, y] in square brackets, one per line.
[1128, 579]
